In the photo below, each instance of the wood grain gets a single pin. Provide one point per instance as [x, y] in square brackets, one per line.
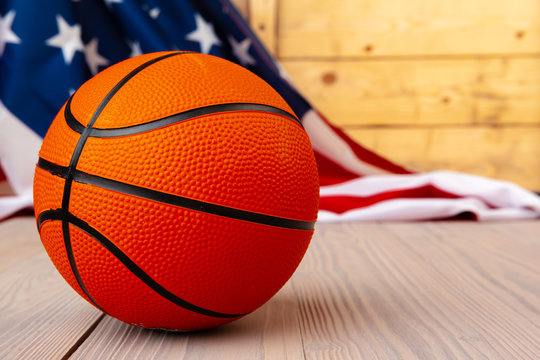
[41, 317]
[17, 243]
[263, 16]
[479, 116]
[483, 91]
[242, 6]
[504, 153]
[399, 74]
[325, 29]
[271, 332]
[423, 290]
[387, 65]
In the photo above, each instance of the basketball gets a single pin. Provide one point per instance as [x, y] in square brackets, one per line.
[176, 190]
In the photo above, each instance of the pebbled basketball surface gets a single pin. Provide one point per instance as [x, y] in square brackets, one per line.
[176, 190]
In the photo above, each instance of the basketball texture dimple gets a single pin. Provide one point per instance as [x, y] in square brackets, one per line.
[176, 190]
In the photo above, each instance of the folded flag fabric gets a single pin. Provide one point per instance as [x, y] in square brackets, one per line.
[48, 49]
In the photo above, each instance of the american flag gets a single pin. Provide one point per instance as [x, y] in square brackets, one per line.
[49, 48]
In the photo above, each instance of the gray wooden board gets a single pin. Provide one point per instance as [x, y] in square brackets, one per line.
[424, 290]
[41, 317]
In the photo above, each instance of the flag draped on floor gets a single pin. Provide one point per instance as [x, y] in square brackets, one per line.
[48, 49]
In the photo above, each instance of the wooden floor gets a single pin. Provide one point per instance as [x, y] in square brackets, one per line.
[428, 290]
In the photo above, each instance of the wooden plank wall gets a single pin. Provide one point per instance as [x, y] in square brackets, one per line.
[429, 84]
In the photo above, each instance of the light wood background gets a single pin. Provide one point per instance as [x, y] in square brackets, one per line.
[429, 84]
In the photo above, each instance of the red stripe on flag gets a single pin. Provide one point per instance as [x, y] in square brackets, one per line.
[367, 155]
[343, 203]
[330, 172]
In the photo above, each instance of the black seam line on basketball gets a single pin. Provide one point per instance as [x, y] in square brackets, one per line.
[71, 258]
[173, 119]
[73, 123]
[75, 158]
[130, 264]
[60, 214]
[86, 132]
[51, 214]
[176, 200]
[54, 169]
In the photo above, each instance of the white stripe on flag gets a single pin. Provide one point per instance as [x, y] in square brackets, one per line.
[19, 147]
[488, 199]
[494, 192]
[325, 141]
[427, 209]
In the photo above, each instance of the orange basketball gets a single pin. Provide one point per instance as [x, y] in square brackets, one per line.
[176, 190]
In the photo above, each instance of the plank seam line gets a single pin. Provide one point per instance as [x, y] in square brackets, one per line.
[83, 338]
[301, 336]
[508, 125]
[416, 57]
[299, 321]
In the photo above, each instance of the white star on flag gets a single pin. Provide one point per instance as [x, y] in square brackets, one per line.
[93, 59]
[110, 2]
[204, 34]
[135, 48]
[241, 51]
[68, 39]
[154, 13]
[6, 34]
